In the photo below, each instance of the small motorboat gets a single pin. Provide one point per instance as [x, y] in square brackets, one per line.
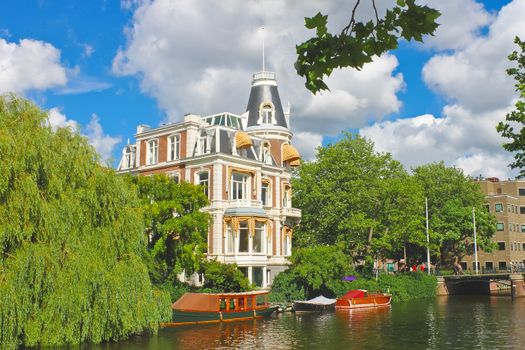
[317, 304]
[360, 298]
[194, 308]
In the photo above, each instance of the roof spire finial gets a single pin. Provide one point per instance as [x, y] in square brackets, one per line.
[263, 49]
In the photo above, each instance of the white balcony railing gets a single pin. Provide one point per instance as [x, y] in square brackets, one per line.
[291, 212]
[244, 203]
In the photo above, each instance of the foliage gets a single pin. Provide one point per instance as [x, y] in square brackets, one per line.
[287, 288]
[313, 271]
[360, 199]
[403, 287]
[451, 197]
[219, 277]
[359, 42]
[71, 240]
[516, 118]
[176, 228]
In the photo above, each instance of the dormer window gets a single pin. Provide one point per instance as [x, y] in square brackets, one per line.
[203, 146]
[152, 149]
[267, 113]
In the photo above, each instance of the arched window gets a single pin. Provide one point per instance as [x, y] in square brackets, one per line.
[267, 113]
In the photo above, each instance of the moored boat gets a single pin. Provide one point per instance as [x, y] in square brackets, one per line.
[194, 308]
[360, 298]
[317, 304]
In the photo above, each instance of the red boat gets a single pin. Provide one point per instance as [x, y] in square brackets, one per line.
[360, 298]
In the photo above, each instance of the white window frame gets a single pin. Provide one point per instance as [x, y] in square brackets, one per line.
[175, 175]
[262, 230]
[268, 197]
[206, 181]
[203, 144]
[244, 186]
[173, 142]
[152, 152]
[266, 114]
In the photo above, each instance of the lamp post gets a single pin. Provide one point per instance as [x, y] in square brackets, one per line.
[475, 240]
[428, 238]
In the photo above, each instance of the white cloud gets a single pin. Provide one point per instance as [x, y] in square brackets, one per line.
[461, 22]
[195, 56]
[30, 64]
[104, 144]
[474, 75]
[57, 119]
[306, 143]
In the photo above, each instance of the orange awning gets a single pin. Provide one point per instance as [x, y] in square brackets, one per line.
[243, 140]
[290, 153]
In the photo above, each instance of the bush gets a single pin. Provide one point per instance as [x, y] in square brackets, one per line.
[219, 277]
[286, 288]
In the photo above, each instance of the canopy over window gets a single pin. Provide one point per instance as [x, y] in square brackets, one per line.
[290, 153]
[243, 140]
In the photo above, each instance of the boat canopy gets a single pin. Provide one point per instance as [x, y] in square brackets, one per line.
[357, 293]
[197, 302]
[320, 300]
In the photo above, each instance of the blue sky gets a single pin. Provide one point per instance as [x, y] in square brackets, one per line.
[111, 65]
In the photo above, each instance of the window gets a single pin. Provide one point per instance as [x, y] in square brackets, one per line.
[258, 237]
[204, 181]
[244, 237]
[522, 210]
[501, 245]
[230, 239]
[266, 114]
[244, 270]
[287, 196]
[151, 154]
[202, 144]
[175, 177]
[522, 228]
[489, 265]
[521, 191]
[286, 243]
[487, 207]
[257, 276]
[502, 265]
[522, 246]
[500, 226]
[239, 186]
[173, 147]
[266, 155]
[474, 265]
[498, 207]
[463, 265]
[265, 194]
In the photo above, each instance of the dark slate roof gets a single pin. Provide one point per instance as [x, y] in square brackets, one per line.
[260, 94]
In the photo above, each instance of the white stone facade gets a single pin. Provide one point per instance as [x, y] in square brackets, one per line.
[244, 164]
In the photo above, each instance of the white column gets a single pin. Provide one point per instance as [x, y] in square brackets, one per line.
[250, 272]
[217, 233]
[264, 281]
[278, 243]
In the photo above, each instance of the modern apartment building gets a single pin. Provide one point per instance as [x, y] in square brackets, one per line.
[244, 164]
[506, 200]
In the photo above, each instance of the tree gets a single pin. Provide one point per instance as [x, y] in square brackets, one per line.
[451, 197]
[176, 228]
[360, 199]
[359, 42]
[516, 118]
[71, 240]
[224, 278]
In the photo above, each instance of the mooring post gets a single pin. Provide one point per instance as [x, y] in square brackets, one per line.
[517, 286]
[441, 286]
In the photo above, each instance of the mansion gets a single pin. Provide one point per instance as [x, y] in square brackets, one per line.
[243, 163]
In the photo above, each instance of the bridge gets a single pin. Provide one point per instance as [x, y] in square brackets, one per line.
[482, 284]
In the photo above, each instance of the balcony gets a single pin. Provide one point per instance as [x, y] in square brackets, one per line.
[291, 212]
[244, 203]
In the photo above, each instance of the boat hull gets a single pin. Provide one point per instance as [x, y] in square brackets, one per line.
[378, 300]
[181, 317]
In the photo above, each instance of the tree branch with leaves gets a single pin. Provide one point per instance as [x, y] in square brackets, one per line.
[359, 42]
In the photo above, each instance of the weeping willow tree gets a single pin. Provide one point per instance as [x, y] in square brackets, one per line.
[71, 240]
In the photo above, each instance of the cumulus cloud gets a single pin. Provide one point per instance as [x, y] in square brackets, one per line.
[190, 61]
[57, 119]
[30, 64]
[472, 78]
[104, 144]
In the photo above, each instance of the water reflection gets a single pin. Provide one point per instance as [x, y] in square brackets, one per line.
[458, 322]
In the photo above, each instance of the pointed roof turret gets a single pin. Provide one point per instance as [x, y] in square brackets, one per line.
[264, 105]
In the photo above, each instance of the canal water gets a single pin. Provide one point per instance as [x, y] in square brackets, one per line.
[455, 322]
